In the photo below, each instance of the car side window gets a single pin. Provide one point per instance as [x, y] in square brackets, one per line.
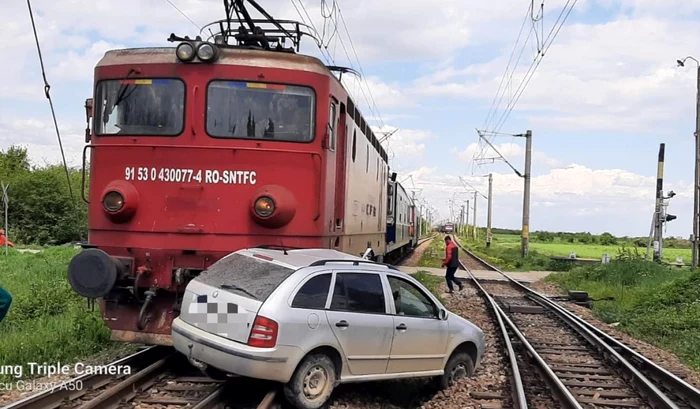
[313, 293]
[357, 292]
[410, 301]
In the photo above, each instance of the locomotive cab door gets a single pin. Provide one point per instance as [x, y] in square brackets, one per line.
[340, 133]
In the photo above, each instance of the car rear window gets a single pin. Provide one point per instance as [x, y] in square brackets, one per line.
[255, 276]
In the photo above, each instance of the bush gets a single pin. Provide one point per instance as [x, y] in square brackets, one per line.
[41, 209]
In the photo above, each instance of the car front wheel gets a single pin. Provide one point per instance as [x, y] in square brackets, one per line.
[312, 382]
[459, 366]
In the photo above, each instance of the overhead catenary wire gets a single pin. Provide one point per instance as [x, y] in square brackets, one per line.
[47, 93]
[536, 64]
[333, 15]
[184, 15]
[546, 44]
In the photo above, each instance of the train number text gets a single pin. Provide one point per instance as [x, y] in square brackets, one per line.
[180, 175]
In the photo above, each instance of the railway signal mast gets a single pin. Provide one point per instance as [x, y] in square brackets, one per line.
[660, 216]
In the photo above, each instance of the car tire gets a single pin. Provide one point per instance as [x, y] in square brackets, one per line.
[312, 383]
[459, 366]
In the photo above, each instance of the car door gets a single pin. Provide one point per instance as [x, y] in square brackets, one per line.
[358, 316]
[420, 337]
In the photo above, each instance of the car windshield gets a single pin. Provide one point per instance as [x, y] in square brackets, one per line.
[140, 107]
[237, 109]
[246, 276]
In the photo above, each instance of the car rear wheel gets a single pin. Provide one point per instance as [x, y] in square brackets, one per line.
[312, 382]
[459, 366]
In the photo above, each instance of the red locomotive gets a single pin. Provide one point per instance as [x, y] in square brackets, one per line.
[207, 148]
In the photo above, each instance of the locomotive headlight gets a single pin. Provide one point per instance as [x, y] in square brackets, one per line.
[264, 206]
[185, 52]
[206, 52]
[113, 201]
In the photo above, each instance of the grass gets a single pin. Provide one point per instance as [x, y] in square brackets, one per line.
[508, 257]
[47, 321]
[652, 302]
[558, 248]
[505, 252]
[434, 254]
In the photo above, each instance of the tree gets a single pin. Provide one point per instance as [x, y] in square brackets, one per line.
[607, 239]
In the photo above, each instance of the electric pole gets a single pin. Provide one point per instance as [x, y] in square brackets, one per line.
[467, 220]
[474, 230]
[461, 220]
[526, 195]
[488, 217]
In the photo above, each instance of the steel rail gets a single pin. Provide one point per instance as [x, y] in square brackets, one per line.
[52, 398]
[128, 388]
[609, 347]
[518, 392]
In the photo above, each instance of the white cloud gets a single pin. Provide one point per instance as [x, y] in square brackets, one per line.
[39, 137]
[372, 91]
[574, 198]
[615, 76]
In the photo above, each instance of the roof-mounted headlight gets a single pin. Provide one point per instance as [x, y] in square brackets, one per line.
[185, 52]
[207, 52]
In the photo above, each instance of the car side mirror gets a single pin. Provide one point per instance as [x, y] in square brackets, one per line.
[442, 314]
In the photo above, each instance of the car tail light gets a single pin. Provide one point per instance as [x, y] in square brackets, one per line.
[264, 333]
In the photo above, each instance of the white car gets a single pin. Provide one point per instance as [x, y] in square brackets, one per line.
[313, 318]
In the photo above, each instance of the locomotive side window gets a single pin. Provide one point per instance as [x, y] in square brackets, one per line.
[334, 132]
[141, 106]
[239, 109]
[354, 144]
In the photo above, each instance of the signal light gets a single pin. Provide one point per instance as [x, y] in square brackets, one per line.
[670, 217]
[113, 201]
[264, 333]
[264, 206]
[185, 52]
[206, 52]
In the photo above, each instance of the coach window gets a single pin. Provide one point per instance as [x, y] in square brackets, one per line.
[314, 293]
[358, 292]
[248, 110]
[144, 107]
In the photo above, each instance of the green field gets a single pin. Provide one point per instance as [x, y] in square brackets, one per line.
[563, 249]
[47, 321]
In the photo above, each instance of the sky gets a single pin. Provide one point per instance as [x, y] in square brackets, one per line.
[605, 93]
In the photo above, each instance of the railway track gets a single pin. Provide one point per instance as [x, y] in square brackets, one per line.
[400, 259]
[581, 365]
[158, 377]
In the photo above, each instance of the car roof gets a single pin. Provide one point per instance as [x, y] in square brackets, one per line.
[298, 258]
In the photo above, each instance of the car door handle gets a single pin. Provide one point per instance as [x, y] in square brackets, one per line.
[342, 324]
[401, 327]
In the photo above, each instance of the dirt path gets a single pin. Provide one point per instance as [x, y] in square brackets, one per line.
[415, 257]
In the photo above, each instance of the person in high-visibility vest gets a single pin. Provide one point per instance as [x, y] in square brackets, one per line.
[5, 302]
[3, 239]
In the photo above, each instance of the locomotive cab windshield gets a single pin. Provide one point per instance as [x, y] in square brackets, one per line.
[140, 107]
[239, 109]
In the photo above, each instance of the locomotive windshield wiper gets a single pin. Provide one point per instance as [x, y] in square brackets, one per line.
[235, 287]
